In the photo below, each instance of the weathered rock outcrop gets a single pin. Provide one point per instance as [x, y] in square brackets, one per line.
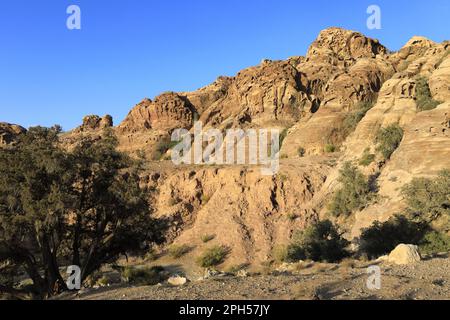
[9, 133]
[249, 213]
[94, 122]
[341, 68]
[310, 96]
[261, 95]
[168, 111]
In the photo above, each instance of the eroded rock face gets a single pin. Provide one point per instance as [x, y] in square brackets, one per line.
[247, 212]
[344, 45]
[342, 68]
[9, 133]
[94, 122]
[440, 80]
[270, 92]
[311, 96]
[167, 112]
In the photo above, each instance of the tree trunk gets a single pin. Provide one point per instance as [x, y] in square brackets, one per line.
[54, 281]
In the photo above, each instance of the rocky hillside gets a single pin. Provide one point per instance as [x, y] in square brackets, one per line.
[343, 76]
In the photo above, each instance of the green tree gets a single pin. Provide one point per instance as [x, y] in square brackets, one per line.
[424, 100]
[429, 198]
[319, 242]
[354, 193]
[59, 208]
[388, 140]
[382, 237]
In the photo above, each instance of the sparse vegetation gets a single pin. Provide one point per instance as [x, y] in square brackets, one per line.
[301, 152]
[103, 281]
[352, 119]
[354, 194]
[367, 158]
[151, 255]
[161, 148]
[288, 253]
[329, 148]
[143, 276]
[283, 136]
[349, 123]
[177, 251]
[382, 238]
[429, 198]
[294, 252]
[207, 238]
[424, 100]
[213, 256]
[280, 253]
[292, 216]
[388, 140]
[205, 199]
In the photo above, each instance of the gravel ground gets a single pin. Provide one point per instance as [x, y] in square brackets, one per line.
[429, 279]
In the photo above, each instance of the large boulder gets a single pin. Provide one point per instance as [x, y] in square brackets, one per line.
[177, 281]
[404, 254]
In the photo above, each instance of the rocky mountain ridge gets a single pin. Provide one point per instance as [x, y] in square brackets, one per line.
[310, 97]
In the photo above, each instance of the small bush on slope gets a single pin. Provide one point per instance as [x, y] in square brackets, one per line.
[207, 237]
[353, 118]
[349, 124]
[329, 148]
[143, 276]
[164, 145]
[213, 256]
[424, 100]
[354, 193]
[388, 140]
[177, 251]
[367, 158]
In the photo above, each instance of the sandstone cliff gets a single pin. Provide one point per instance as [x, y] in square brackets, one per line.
[310, 97]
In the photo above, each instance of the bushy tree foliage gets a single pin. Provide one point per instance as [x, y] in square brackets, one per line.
[424, 100]
[354, 193]
[319, 242]
[59, 208]
[388, 140]
[429, 198]
[382, 238]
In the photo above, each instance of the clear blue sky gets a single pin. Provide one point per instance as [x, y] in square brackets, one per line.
[128, 50]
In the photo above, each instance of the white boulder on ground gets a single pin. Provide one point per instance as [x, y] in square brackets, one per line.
[404, 254]
[177, 281]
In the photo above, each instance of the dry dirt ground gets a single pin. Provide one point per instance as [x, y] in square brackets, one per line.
[428, 279]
